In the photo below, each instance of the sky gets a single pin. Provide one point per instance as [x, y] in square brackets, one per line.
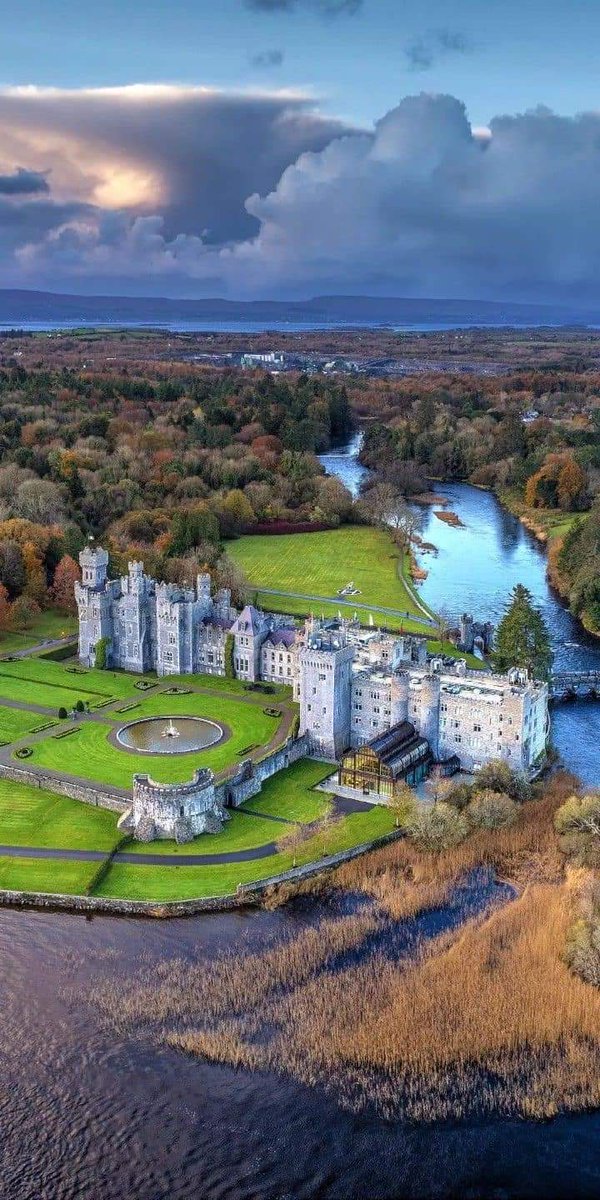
[295, 147]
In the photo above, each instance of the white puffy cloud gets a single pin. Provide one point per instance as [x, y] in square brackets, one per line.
[421, 205]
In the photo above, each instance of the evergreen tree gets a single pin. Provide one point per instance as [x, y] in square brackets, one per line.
[522, 639]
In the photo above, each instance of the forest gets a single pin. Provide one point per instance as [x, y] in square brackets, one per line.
[135, 438]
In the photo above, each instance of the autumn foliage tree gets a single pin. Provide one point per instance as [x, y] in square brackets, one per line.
[67, 574]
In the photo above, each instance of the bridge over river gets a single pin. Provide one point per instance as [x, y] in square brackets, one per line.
[567, 685]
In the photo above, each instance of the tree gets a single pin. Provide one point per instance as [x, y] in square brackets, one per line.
[12, 570]
[577, 824]
[522, 639]
[5, 608]
[35, 576]
[67, 574]
[293, 840]
[23, 612]
[492, 810]
[401, 803]
[438, 827]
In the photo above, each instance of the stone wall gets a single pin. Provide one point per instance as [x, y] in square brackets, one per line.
[88, 794]
[250, 775]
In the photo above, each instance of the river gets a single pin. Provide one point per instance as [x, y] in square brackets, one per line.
[473, 570]
[98, 1114]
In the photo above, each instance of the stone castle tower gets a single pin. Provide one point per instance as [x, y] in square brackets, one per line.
[326, 692]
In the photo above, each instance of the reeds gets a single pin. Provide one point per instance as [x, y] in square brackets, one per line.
[486, 1020]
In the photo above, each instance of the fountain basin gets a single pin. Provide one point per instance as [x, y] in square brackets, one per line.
[169, 735]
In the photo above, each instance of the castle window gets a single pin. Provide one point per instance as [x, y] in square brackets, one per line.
[477, 728]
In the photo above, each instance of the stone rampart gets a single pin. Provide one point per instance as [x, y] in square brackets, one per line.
[87, 793]
[250, 775]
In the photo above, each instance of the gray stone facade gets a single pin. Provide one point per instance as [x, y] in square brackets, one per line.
[162, 627]
[352, 689]
[178, 811]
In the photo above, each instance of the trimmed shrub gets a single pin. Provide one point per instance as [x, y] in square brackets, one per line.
[24, 752]
[80, 706]
[62, 713]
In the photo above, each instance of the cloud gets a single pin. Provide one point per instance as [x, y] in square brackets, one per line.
[267, 58]
[421, 205]
[423, 52]
[191, 154]
[24, 183]
[325, 8]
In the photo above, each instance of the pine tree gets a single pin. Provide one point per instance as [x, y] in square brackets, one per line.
[522, 639]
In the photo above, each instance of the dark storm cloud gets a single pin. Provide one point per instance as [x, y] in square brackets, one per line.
[200, 152]
[423, 52]
[267, 59]
[420, 205]
[326, 8]
[23, 183]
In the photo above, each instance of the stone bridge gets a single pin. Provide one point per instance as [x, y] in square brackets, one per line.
[566, 685]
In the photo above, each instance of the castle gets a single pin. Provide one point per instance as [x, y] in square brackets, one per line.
[353, 685]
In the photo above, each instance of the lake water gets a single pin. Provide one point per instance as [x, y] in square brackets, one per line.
[91, 1113]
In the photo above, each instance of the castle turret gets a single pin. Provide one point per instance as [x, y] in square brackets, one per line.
[93, 561]
[94, 599]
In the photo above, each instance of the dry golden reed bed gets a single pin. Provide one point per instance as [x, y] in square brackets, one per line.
[488, 1019]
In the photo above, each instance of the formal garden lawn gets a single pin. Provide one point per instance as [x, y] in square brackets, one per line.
[163, 883]
[319, 564]
[16, 723]
[87, 752]
[31, 816]
[47, 875]
[48, 624]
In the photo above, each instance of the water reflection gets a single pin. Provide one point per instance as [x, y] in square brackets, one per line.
[475, 567]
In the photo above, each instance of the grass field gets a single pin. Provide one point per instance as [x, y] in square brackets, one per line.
[16, 723]
[179, 883]
[319, 564]
[49, 624]
[33, 817]
[46, 875]
[30, 816]
[89, 754]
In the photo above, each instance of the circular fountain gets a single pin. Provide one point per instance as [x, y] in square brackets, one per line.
[179, 735]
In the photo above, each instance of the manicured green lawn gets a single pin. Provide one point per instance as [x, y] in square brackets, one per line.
[181, 883]
[52, 684]
[30, 816]
[16, 723]
[89, 754]
[290, 793]
[319, 564]
[46, 875]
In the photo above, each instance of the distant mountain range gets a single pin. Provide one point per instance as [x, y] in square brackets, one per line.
[18, 307]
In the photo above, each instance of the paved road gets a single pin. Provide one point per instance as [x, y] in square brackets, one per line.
[427, 622]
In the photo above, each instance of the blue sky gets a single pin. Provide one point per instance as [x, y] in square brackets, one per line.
[291, 147]
[519, 53]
